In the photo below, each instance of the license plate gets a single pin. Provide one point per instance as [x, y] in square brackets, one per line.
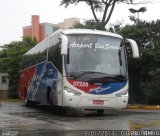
[98, 102]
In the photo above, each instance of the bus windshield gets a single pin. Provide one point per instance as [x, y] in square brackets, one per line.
[95, 56]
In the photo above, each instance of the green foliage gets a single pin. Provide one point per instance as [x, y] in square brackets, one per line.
[144, 73]
[90, 24]
[10, 59]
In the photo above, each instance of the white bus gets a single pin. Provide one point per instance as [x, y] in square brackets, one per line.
[77, 68]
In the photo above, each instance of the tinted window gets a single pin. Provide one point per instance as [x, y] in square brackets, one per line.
[54, 53]
[36, 55]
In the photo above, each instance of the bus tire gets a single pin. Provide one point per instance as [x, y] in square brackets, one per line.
[56, 109]
[100, 112]
[49, 101]
[28, 103]
[48, 97]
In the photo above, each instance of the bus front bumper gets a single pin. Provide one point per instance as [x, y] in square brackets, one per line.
[95, 102]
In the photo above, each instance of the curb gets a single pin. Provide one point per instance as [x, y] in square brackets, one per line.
[144, 107]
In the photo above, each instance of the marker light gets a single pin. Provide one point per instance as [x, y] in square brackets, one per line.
[122, 93]
[69, 91]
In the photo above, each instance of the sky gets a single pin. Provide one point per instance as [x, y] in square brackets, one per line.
[15, 14]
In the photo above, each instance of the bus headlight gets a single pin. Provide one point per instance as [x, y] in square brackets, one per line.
[122, 93]
[69, 91]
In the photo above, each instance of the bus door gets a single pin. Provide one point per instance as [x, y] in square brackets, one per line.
[55, 68]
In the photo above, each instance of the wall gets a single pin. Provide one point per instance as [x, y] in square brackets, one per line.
[68, 23]
[4, 85]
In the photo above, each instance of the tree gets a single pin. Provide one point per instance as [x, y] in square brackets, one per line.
[10, 59]
[90, 24]
[105, 7]
[144, 72]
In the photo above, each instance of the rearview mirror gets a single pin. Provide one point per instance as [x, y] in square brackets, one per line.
[134, 47]
[64, 44]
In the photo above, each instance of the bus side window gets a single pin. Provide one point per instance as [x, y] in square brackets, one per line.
[54, 55]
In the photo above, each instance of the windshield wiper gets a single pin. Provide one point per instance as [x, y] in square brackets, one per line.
[88, 72]
[117, 77]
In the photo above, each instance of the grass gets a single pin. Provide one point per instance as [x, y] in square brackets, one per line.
[11, 100]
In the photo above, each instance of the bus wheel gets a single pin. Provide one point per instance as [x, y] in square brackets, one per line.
[48, 96]
[28, 103]
[52, 107]
[56, 109]
[49, 100]
[100, 112]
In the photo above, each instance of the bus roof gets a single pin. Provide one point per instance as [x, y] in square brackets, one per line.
[88, 31]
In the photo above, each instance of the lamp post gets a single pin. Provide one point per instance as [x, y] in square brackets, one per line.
[133, 11]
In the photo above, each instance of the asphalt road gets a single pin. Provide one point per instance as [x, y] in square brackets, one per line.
[17, 119]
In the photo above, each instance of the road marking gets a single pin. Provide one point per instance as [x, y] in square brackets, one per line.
[135, 125]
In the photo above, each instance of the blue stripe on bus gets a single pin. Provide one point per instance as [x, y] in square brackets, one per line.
[108, 89]
[45, 76]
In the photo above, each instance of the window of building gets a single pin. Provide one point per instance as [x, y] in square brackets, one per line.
[4, 80]
[48, 30]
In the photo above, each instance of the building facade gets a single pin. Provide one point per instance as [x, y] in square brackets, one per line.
[42, 30]
[4, 85]
[39, 30]
[4, 81]
[68, 23]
